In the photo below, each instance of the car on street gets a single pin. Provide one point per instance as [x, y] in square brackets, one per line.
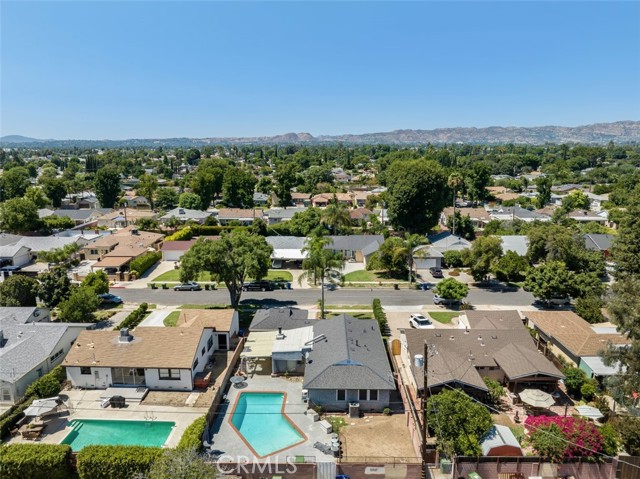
[108, 298]
[436, 272]
[418, 321]
[437, 299]
[550, 303]
[10, 269]
[188, 286]
[263, 285]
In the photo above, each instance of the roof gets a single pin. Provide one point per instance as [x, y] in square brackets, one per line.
[519, 244]
[360, 213]
[126, 238]
[507, 319]
[126, 252]
[498, 436]
[573, 332]
[366, 243]
[518, 212]
[479, 214]
[131, 214]
[239, 213]
[112, 262]
[585, 215]
[507, 196]
[47, 243]
[82, 214]
[285, 318]
[426, 251]
[259, 344]
[283, 213]
[351, 356]
[27, 345]
[599, 368]
[286, 242]
[300, 196]
[598, 242]
[218, 319]
[7, 239]
[151, 347]
[177, 245]
[11, 250]
[186, 214]
[460, 352]
[446, 241]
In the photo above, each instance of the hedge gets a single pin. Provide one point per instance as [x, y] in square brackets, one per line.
[116, 462]
[135, 318]
[142, 263]
[192, 436]
[380, 316]
[181, 235]
[15, 413]
[35, 461]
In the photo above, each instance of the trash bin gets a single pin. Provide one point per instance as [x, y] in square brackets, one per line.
[288, 285]
[445, 466]
[424, 286]
[395, 286]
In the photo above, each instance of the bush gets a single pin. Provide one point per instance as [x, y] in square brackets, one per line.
[134, 318]
[574, 379]
[589, 389]
[380, 316]
[142, 263]
[35, 461]
[203, 230]
[181, 235]
[579, 436]
[453, 259]
[192, 436]
[13, 416]
[48, 385]
[610, 440]
[116, 462]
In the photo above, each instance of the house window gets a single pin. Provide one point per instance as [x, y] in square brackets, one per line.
[85, 370]
[368, 394]
[202, 352]
[57, 355]
[195, 364]
[362, 395]
[341, 395]
[373, 394]
[172, 374]
[210, 343]
[6, 394]
[93, 251]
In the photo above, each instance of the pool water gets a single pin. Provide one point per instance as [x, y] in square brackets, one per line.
[260, 420]
[87, 432]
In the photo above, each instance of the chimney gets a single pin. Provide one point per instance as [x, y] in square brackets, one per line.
[125, 337]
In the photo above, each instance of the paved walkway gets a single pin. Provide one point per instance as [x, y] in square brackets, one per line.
[156, 318]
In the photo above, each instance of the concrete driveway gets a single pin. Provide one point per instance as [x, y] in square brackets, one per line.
[156, 318]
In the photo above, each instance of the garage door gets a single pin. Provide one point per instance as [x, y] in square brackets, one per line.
[172, 255]
[426, 263]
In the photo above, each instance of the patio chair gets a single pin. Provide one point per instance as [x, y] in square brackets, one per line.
[324, 448]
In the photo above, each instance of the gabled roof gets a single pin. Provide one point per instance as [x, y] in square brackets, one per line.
[502, 319]
[186, 214]
[446, 241]
[598, 242]
[239, 213]
[365, 243]
[12, 250]
[177, 245]
[479, 214]
[351, 356]
[498, 436]
[360, 213]
[285, 318]
[519, 244]
[286, 242]
[82, 214]
[47, 243]
[8, 239]
[284, 213]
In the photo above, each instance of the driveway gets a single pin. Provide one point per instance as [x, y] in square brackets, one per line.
[156, 318]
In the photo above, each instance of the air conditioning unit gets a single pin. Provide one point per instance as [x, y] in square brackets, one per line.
[305, 395]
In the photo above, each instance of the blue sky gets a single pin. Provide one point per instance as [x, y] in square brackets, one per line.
[152, 69]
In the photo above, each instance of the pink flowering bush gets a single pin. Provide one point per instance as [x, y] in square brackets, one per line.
[582, 437]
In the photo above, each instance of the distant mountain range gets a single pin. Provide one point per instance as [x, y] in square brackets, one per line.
[597, 133]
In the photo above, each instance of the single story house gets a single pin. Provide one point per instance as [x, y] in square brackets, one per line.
[508, 196]
[519, 244]
[360, 214]
[510, 213]
[277, 352]
[566, 334]
[500, 441]
[301, 199]
[566, 188]
[481, 319]
[599, 242]
[358, 248]
[479, 216]
[30, 346]
[243, 216]
[14, 255]
[287, 248]
[584, 216]
[81, 216]
[48, 243]
[273, 319]
[278, 215]
[360, 198]
[156, 357]
[323, 199]
[84, 200]
[446, 241]
[597, 200]
[136, 201]
[260, 199]
[425, 257]
[463, 357]
[184, 214]
[173, 250]
[126, 238]
[348, 364]
[122, 217]
[497, 190]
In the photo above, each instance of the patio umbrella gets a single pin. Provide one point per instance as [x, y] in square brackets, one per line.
[40, 407]
[590, 412]
[537, 398]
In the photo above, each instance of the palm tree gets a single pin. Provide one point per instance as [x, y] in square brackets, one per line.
[320, 262]
[454, 182]
[336, 215]
[411, 242]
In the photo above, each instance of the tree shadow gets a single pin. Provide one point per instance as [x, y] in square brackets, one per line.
[268, 302]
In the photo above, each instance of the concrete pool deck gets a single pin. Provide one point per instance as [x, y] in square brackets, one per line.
[228, 442]
[85, 404]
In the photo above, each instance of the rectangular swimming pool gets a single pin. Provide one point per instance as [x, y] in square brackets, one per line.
[88, 432]
[260, 421]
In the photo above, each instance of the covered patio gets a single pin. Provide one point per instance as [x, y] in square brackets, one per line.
[277, 352]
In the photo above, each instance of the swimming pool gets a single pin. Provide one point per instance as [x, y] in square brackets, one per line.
[260, 421]
[88, 432]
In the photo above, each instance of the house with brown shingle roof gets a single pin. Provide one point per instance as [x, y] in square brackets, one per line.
[567, 335]
[461, 358]
[243, 216]
[156, 357]
[479, 216]
[301, 199]
[323, 199]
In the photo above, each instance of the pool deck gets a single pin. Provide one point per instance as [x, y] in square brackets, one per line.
[85, 404]
[227, 440]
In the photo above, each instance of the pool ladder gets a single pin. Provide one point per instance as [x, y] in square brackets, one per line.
[149, 416]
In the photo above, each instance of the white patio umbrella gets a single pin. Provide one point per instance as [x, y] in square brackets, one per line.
[536, 398]
[590, 412]
[40, 407]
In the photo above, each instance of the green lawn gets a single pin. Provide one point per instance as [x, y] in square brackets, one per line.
[171, 320]
[372, 277]
[361, 315]
[347, 306]
[205, 306]
[337, 423]
[174, 276]
[443, 317]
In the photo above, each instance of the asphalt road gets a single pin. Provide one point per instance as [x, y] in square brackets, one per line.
[389, 297]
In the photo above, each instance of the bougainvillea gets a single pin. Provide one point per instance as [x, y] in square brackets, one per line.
[582, 437]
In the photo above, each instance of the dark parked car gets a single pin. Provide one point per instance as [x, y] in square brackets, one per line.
[189, 286]
[108, 298]
[258, 286]
[10, 269]
[436, 272]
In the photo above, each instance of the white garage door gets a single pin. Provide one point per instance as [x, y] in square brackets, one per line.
[426, 263]
[172, 255]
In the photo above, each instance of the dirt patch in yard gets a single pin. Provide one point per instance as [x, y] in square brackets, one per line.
[377, 436]
[165, 398]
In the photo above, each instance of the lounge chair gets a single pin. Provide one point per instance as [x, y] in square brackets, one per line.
[324, 448]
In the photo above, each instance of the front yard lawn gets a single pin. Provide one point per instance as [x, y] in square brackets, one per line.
[358, 315]
[174, 276]
[443, 317]
[171, 320]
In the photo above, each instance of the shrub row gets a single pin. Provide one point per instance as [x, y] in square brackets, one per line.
[116, 462]
[192, 437]
[35, 461]
[200, 230]
[380, 316]
[134, 318]
[142, 263]
[181, 235]
[14, 414]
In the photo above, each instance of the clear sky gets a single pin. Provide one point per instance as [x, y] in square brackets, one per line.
[156, 69]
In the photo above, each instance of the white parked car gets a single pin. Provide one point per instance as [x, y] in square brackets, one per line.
[418, 321]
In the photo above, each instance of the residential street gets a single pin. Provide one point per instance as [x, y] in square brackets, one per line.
[389, 297]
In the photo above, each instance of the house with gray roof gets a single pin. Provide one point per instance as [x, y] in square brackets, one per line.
[358, 248]
[184, 214]
[30, 346]
[287, 248]
[446, 241]
[599, 242]
[49, 243]
[500, 441]
[519, 244]
[278, 215]
[14, 255]
[348, 364]
[80, 217]
[510, 213]
[273, 319]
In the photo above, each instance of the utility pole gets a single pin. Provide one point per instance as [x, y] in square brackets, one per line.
[424, 411]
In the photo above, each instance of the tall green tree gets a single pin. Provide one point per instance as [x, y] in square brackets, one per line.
[18, 290]
[453, 289]
[543, 184]
[55, 189]
[19, 215]
[511, 267]
[576, 200]
[14, 183]
[393, 256]
[476, 181]
[463, 226]
[234, 258]
[336, 215]
[286, 177]
[550, 280]
[98, 281]
[55, 286]
[238, 187]
[626, 246]
[107, 186]
[37, 196]
[190, 201]
[166, 198]
[79, 306]
[147, 187]
[417, 193]
[486, 251]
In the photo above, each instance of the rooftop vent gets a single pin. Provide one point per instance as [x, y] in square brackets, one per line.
[134, 231]
[452, 337]
[279, 335]
[1, 338]
[125, 337]
[479, 338]
[181, 211]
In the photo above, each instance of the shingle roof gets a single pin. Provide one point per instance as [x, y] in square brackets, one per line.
[473, 213]
[81, 215]
[598, 242]
[286, 242]
[10, 251]
[152, 347]
[498, 436]
[446, 241]
[177, 245]
[352, 356]
[285, 318]
[7, 239]
[284, 213]
[508, 319]
[218, 319]
[239, 213]
[519, 244]
[365, 243]
[47, 243]
[573, 332]
[186, 214]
